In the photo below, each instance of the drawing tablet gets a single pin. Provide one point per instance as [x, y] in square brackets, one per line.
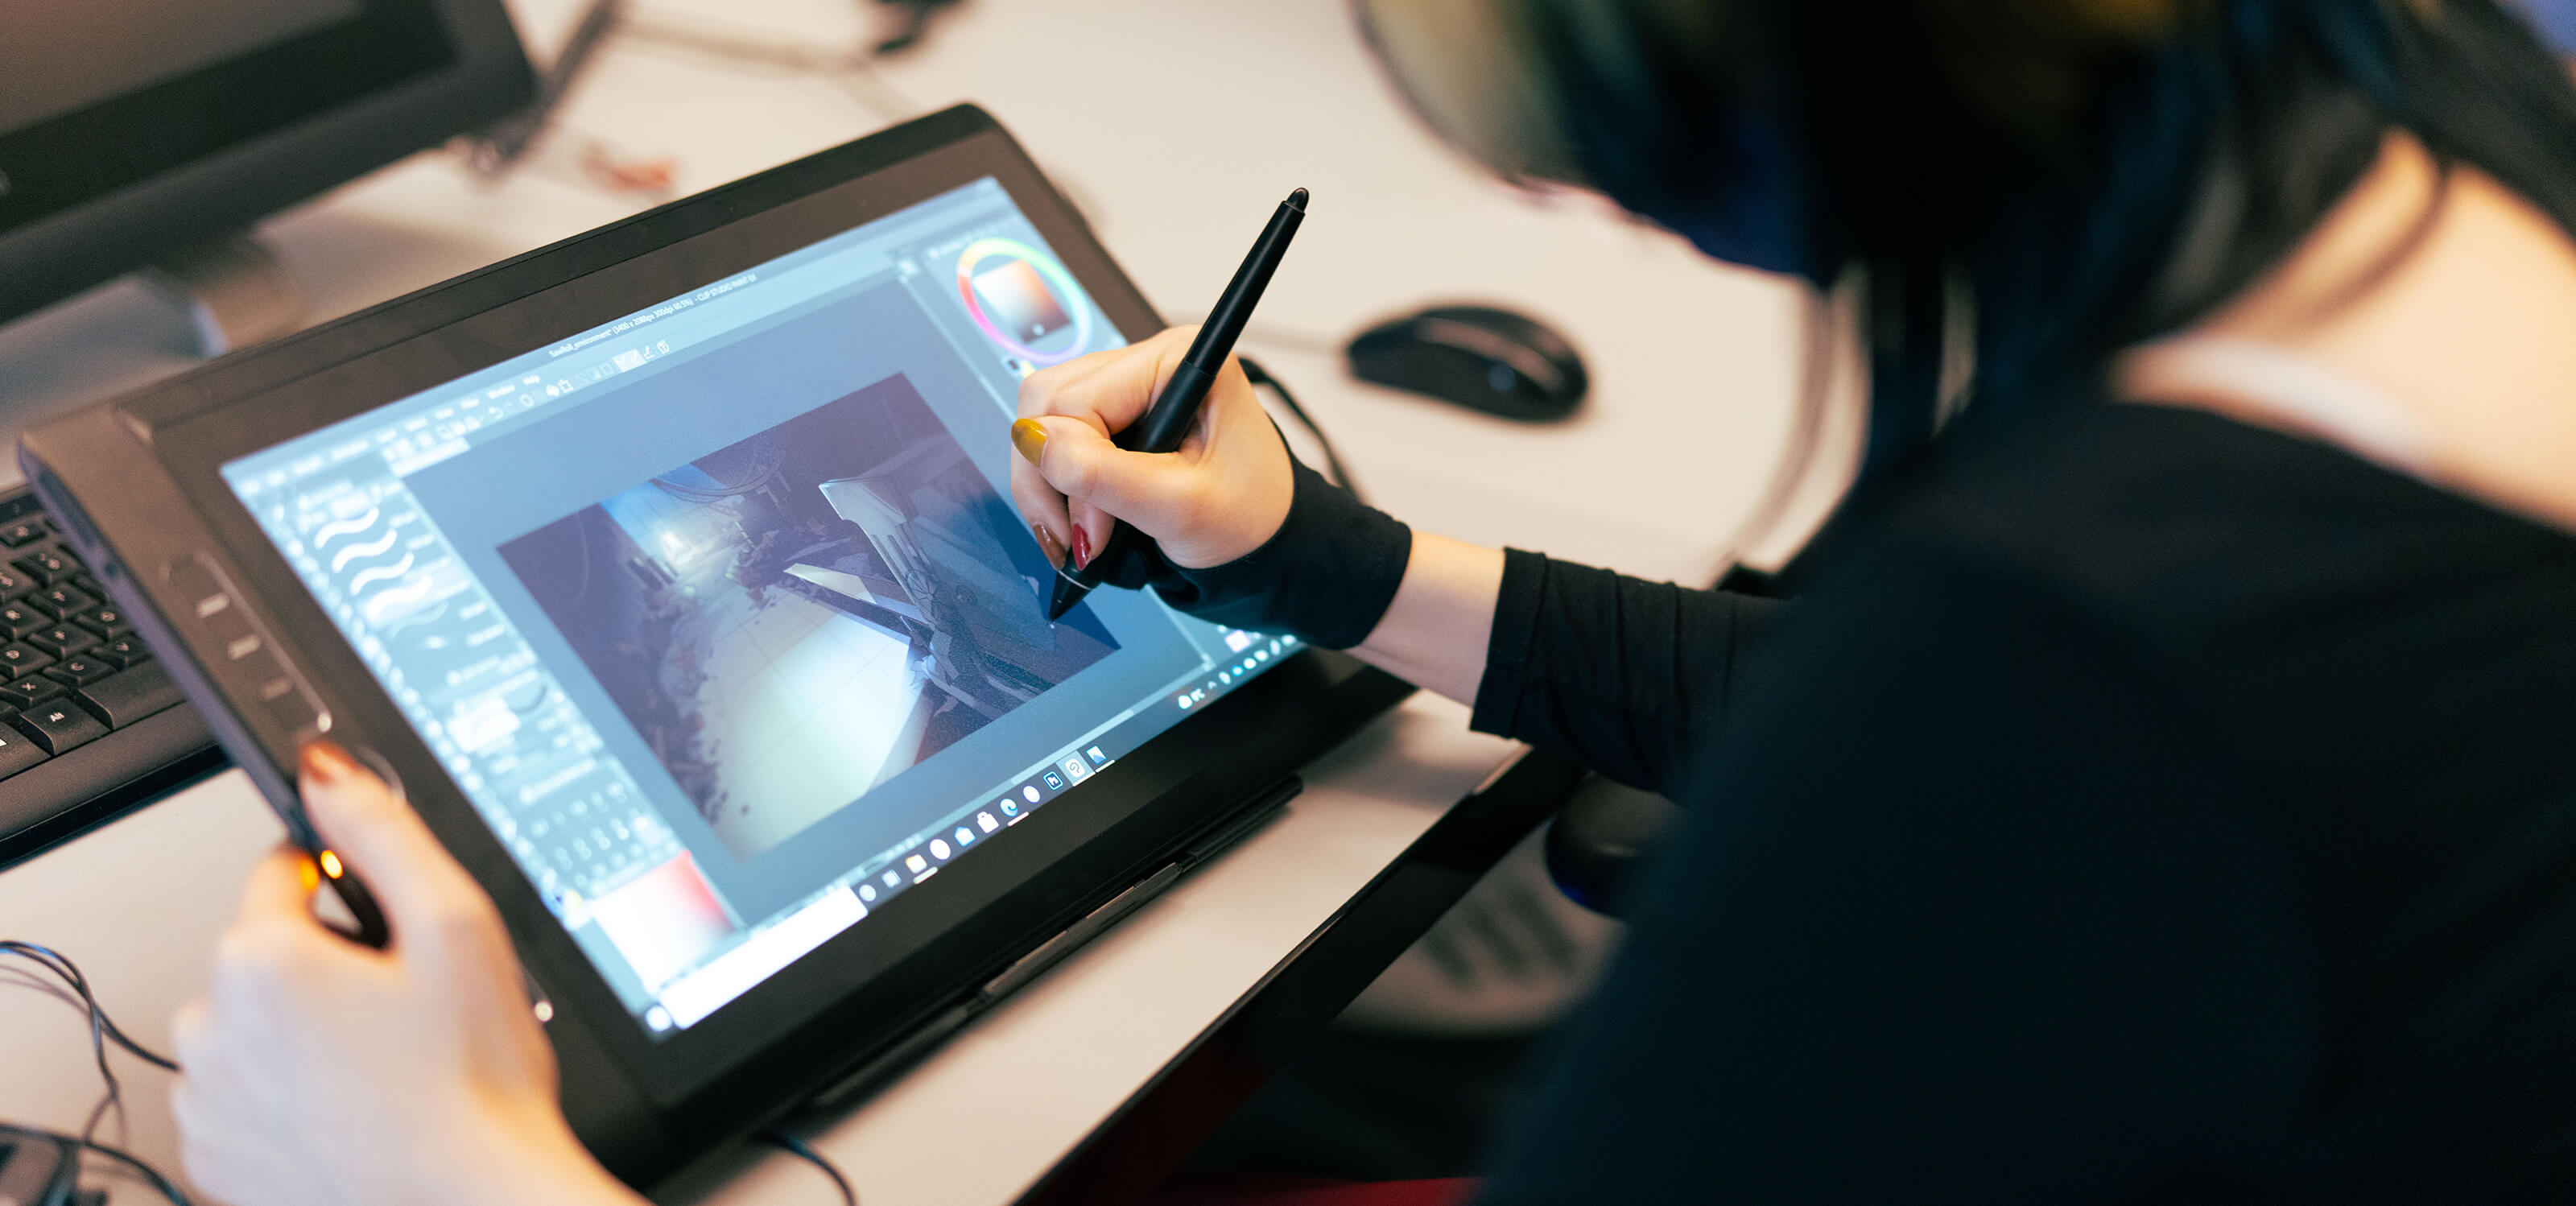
[672, 569]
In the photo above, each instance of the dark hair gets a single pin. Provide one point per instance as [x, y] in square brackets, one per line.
[2086, 173]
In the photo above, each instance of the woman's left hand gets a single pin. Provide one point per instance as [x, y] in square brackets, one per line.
[315, 1070]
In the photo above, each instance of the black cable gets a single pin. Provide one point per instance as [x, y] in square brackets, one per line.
[102, 1030]
[70, 974]
[64, 969]
[1332, 460]
[151, 1176]
[802, 1150]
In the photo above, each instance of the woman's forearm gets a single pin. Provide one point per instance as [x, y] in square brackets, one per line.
[1435, 632]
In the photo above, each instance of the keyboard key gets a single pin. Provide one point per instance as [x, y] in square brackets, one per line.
[22, 659]
[78, 670]
[62, 639]
[19, 619]
[123, 698]
[29, 691]
[49, 566]
[58, 725]
[14, 583]
[17, 753]
[87, 585]
[24, 532]
[122, 651]
[106, 619]
[61, 601]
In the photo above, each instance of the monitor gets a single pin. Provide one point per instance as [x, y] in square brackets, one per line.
[130, 129]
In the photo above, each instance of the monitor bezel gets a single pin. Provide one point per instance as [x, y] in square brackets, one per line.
[229, 180]
[863, 990]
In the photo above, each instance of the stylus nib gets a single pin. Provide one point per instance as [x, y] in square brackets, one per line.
[1067, 593]
[1297, 201]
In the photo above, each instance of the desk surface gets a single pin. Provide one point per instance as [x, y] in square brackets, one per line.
[140, 902]
[1694, 367]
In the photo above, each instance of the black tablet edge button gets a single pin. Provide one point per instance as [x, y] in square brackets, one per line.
[1052, 951]
[902, 1055]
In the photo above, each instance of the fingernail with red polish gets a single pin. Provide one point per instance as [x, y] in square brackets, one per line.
[326, 761]
[1081, 548]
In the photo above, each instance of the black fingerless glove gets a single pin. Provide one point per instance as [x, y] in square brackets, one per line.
[1327, 575]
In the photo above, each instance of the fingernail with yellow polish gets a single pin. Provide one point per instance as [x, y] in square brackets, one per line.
[1029, 438]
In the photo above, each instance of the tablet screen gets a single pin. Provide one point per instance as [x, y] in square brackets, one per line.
[720, 613]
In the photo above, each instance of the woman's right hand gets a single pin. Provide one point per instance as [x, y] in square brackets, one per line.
[1221, 495]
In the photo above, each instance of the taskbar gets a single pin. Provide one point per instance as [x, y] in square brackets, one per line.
[768, 949]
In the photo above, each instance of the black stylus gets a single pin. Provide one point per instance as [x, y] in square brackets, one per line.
[361, 903]
[1168, 420]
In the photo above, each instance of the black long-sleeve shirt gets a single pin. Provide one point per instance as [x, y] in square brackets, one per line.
[2141, 807]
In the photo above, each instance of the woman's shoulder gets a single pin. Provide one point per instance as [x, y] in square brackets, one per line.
[2341, 619]
[2184, 520]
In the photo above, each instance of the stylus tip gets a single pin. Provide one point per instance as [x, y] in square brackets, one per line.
[1297, 201]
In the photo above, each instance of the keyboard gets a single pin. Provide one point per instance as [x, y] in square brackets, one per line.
[91, 726]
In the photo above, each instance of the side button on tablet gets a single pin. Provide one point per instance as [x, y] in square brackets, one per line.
[253, 673]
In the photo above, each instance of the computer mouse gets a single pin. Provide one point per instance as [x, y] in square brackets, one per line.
[1479, 357]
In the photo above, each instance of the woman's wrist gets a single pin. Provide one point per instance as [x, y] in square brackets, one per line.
[1436, 630]
[1328, 574]
[538, 1162]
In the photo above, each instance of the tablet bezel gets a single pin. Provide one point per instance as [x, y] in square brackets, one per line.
[914, 955]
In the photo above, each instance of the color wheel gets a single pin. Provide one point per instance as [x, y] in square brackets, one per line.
[1069, 294]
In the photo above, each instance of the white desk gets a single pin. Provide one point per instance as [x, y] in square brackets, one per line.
[1693, 368]
[140, 902]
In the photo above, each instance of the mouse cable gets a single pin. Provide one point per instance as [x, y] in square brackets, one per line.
[1260, 377]
[794, 1146]
[151, 1176]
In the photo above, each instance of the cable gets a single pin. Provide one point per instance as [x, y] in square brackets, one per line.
[509, 138]
[1332, 459]
[802, 1150]
[54, 961]
[102, 1031]
[151, 1176]
[1295, 340]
